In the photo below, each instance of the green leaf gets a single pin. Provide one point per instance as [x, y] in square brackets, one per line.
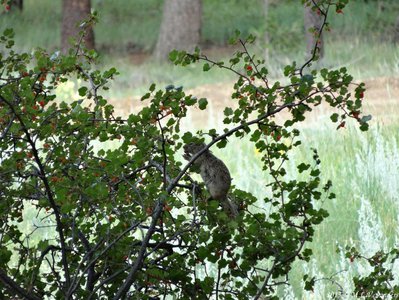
[334, 117]
[5, 256]
[202, 103]
[190, 100]
[206, 67]
[207, 284]
[146, 96]
[9, 32]
[315, 173]
[307, 78]
[364, 127]
[234, 39]
[256, 135]
[173, 55]
[228, 111]
[303, 167]
[187, 137]
[309, 284]
[222, 143]
[82, 91]
[202, 253]
[43, 245]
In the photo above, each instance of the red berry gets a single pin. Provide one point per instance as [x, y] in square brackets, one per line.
[355, 114]
[167, 207]
[342, 125]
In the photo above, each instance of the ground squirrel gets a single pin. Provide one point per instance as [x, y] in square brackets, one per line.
[215, 175]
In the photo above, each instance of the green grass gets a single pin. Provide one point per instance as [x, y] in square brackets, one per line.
[363, 168]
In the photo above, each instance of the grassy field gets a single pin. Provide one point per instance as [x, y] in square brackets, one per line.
[363, 166]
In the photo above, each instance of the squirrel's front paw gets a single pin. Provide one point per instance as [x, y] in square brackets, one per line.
[187, 156]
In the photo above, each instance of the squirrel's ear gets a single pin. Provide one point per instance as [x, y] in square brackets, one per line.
[198, 141]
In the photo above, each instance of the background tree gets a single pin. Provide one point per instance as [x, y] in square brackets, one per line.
[18, 3]
[180, 28]
[313, 20]
[266, 35]
[396, 31]
[73, 14]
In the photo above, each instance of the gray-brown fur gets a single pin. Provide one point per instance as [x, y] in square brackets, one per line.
[214, 173]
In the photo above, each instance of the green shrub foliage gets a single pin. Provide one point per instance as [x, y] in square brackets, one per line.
[122, 216]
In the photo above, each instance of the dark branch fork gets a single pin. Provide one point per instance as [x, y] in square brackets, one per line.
[14, 286]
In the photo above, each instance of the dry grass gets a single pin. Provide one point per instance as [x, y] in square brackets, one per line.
[381, 101]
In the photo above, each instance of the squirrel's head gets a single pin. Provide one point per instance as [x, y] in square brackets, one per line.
[193, 148]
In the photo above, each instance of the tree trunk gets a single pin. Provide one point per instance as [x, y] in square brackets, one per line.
[18, 3]
[266, 37]
[396, 33]
[73, 13]
[180, 27]
[313, 20]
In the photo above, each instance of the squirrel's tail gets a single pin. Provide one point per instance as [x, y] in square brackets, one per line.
[230, 208]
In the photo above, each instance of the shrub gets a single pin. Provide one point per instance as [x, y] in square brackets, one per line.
[128, 219]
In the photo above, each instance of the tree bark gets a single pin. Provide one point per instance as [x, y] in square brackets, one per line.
[396, 33]
[266, 37]
[18, 3]
[313, 20]
[73, 13]
[180, 27]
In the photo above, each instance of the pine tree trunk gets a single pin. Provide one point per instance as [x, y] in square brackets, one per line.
[313, 20]
[73, 13]
[18, 3]
[396, 33]
[266, 35]
[180, 27]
